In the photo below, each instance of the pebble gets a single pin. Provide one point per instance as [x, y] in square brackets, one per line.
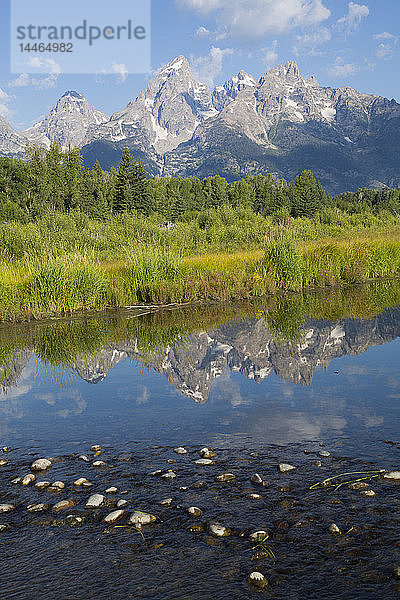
[84, 458]
[57, 486]
[219, 530]
[166, 502]
[257, 479]
[171, 461]
[4, 528]
[358, 485]
[80, 481]
[368, 493]
[324, 454]
[183, 488]
[169, 475]
[225, 477]
[396, 572]
[258, 580]
[95, 448]
[99, 463]
[30, 478]
[74, 520]
[122, 503]
[112, 490]
[114, 516]
[37, 507]
[95, 501]
[207, 452]
[180, 450]
[194, 511]
[318, 463]
[258, 536]
[254, 496]
[204, 461]
[154, 473]
[87, 484]
[141, 518]
[6, 508]
[334, 529]
[285, 467]
[16, 480]
[41, 485]
[41, 464]
[392, 475]
[63, 505]
[3, 462]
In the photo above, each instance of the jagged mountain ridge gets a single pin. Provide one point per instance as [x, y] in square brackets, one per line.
[283, 124]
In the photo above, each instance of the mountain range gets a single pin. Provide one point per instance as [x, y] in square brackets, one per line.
[281, 124]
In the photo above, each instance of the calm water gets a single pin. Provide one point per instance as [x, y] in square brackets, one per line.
[261, 382]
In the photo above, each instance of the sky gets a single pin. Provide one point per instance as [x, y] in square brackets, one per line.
[342, 43]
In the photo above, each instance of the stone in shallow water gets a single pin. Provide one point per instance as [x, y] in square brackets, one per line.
[122, 503]
[324, 453]
[154, 473]
[99, 463]
[194, 511]
[41, 485]
[114, 516]
[84, 458]
[392, 475]
[95, 448]
[95, 501]
[58, 484]
[169, 475]
[285, 467]
[207, 452]
[180, 450]
[30, 478]
[333, 528]
[204, 461]
[318, 463]
[256, 479]
[63, 505]
[41, 464]
[139, 518]
[225, 477]
[37, 507]
[3, 462]
[4, 527]
[166, 502]
[253, 496]
[111, 490]
[6, 508]
[16, 480]
[358, 485]
[258, 536]
[74, 520]
[80, 481]
[258, 580]
[219, 530]
[368, 493]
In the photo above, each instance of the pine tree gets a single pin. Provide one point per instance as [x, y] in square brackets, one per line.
[123, 189]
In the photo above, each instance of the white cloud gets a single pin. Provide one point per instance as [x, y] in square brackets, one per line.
[5, 110]
[202, 32]
[385, 36]
[121, 72]
[355, 14]
[312, 40]
[254, 19]
[48, 65]
[206, 68]
[270, 55]
[384, 51]
[342, 69]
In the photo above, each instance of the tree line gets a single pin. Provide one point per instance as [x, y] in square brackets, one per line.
[53, 180]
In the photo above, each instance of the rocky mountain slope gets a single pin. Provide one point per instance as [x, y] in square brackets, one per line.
[283, 123]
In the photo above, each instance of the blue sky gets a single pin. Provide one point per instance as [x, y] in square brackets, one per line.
[342, 43]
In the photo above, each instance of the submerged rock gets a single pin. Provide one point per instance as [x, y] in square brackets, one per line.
[392, 475]
[225, 477]
[180, 450]
[37, 507]
[358, 485]
[41, 464]
[64, 505]
[257, 479]
[285, 468]
[4, 527]
[139, 518]
[41, 485]
[207, 452]
[258, 536]
[16, 481]
[6, 508]
[258, 580]
[74, 520]
[219, 530]
[334, 529]
[112, 490]
[368, 493]
[114, 516]
[95, 448]
[194, 511]
[80, 481]
[99, 463]
[122, 503]
[28, 479]
[3, 462]
[166, 502]
[169, 475]
[84, 458]
[95, 501]
[324, 454]
[204, 461]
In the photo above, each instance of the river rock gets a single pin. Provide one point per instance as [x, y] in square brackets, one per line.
[207, 452]
[95, 501]
[37, 507]
[41, 485]
[368, 493]
[169, 475]
[253, 496]
[358, 485]
[396, 572]
[41, 464]
[3, 462]
[95, 448]
[180, 450]
[80, 481]
[204, 461]
[285, 468]
[166, 502]
[155, 473]
[74, 520]
[16, 480]
[194, 511]
[114, 516]
[225, 477]
[258, 580]
[63, 505]
[257, 479]
[99, 463]
[4, 527]
[6, 508]
[334, 529]
[140, 518]
[258, 536]
[318, 463]
[219, 530]
[84, 458]
[324, 454]
[111, 490]
[392, 475]
[28, 479]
